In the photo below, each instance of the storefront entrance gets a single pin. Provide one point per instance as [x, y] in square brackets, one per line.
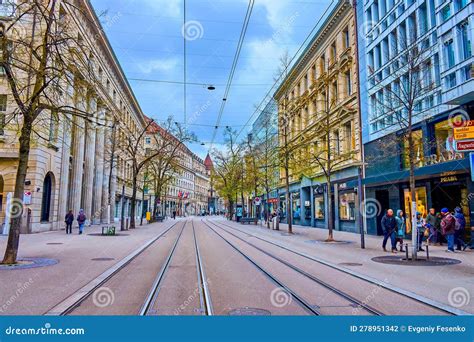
[382, 196]
[450, 196]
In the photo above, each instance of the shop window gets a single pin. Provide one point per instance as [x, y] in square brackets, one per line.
[421, 205]
[347, 206]
[418, 147]
[319, 207]
[444, 141]
[283, 206]
[296, 206]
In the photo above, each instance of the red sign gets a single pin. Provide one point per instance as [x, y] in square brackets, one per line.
[273, 200]
[465, 146]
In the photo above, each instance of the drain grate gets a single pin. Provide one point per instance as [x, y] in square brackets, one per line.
[103, 259]
[99, 234]
[401, 260]
[249, 312]
[55, 243]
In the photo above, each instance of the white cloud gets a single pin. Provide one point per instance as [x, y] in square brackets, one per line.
[170, 8]
[163, 65]
[278, 12]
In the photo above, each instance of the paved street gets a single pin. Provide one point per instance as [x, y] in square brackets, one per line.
[199, 266]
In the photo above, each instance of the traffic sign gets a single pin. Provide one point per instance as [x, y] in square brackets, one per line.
[257, 201]
[465, 132]
[464, 145]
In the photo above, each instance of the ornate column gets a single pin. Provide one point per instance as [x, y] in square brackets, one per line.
[98, 208]
[64, 175]
[106, 175]
[112, 190]
[78, 160]
[89, 163]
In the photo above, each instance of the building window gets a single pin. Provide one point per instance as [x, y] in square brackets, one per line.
[346, 38]
[53, 127]
[333, 52]
[465, 42]
[418, 150]
[47, 198]
[446, 12]
[449, 53]
[147, 140]
[450, 80]
[347, 206]
[296, 205]
[319, 207]
[3, 109]
[348, 83]
[460, 4]
[444, 140]
[421, 204]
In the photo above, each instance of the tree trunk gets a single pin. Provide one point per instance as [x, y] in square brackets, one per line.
[11, 250]
[414, 230]
[134, 202]
[330, 215]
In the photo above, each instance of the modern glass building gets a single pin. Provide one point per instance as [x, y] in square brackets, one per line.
[442, 30]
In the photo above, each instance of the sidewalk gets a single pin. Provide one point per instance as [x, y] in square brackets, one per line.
[439, 283]
[34, 291]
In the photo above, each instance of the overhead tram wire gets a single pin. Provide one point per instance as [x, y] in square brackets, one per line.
[234, 66]
[198, 84]
[185, 62]
[303, 45]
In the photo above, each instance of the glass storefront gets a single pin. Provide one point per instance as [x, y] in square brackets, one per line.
[421, 204]
[347, 205]
[296, 205]
[283, 206]
[319, 207]
[419, 154]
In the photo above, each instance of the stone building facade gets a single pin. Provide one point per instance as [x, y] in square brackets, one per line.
[70, 165]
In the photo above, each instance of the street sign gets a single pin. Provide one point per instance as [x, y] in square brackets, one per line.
[257, 201]
[465, 132]
[464, 145]
[27, 198]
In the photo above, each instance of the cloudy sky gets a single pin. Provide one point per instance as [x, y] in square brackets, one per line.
[147, 38]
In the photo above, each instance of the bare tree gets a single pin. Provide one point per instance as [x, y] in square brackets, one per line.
[171, 139]
[402, 98]
[47, 68]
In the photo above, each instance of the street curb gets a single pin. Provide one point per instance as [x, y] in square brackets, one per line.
[68, 304]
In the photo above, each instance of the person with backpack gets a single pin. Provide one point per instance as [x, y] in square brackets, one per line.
[448, 224]
[81, 220]
[459, 229]
[69, 219]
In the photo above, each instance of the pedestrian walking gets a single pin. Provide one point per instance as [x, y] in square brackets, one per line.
[420, 229]
[401, 226]
[439, 231]
[81, 220]
[432, 223]
[389, 226]
[69, 219]
[459, 229]
[174, 214]
[448, 223]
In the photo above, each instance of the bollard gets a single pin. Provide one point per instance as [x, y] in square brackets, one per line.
[406, 250]
[427, 252]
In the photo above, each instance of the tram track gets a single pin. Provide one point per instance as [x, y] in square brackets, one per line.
[359, 304]
[301, 301]
[68, 305]
[424, 301]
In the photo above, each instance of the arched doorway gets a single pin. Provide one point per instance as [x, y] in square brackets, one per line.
[46, 202]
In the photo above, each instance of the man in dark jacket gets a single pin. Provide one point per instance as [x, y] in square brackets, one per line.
[459, 229]
[389, 227]
[69, 219]
[448, 224]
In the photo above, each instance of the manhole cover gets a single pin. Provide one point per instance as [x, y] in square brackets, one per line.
[54, 243]
[324, 242]
[25, 263]
[249, 312]
[401, 260]
[99, 234]
[349, 264]
[102, 259]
